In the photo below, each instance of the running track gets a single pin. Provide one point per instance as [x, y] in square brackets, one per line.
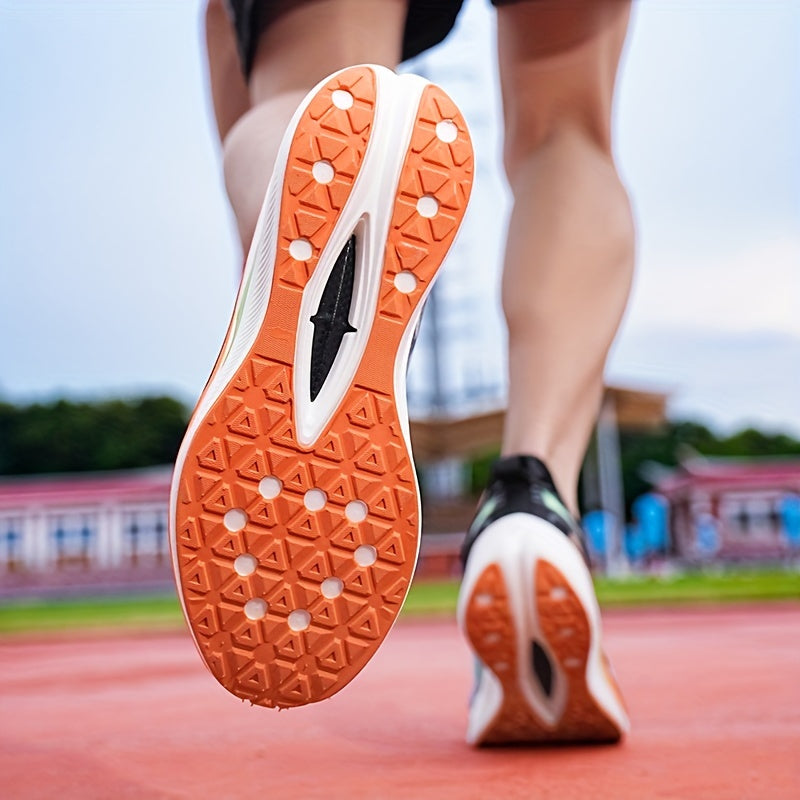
[714, 696]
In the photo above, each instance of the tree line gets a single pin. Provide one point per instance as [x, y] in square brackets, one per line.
[676, 440]
[70, 436]
[75, 436]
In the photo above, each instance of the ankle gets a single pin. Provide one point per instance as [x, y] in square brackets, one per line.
[563, 472]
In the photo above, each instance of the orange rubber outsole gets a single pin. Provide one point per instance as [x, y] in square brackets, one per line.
[565, 626]
[249, 435]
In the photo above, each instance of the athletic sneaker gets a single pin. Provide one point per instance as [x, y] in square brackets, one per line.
[295, 507]
[528, 610]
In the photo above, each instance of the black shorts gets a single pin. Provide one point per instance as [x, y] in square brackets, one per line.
[427, 23]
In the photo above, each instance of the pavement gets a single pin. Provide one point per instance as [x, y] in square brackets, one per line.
[714, 697]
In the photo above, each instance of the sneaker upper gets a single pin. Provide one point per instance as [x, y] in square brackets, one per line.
[522, 484]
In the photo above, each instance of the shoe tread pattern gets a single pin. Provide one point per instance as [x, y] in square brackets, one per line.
[565, 626]
[249, 434]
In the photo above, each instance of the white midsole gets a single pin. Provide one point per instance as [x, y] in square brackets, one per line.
[368, 209]
[516, 543]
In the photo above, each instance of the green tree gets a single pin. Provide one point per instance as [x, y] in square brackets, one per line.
[69, 436]
[666, 445]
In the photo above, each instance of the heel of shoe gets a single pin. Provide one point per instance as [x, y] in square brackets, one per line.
[531, 622]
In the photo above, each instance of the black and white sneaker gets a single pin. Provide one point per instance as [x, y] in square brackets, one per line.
[528, 610]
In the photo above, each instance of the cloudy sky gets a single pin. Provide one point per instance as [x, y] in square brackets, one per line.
[118, 261]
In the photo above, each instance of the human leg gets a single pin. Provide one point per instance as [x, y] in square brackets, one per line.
[569, 257]
[527, 605]
[338, 33]
[295, 509]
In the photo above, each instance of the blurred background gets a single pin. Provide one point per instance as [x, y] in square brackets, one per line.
[119, 267]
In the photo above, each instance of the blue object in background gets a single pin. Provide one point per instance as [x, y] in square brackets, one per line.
[790, 517]
[597, 525]
[635, 542]
[646, 536]
[707, 535]
[12, 545]
[651, 512]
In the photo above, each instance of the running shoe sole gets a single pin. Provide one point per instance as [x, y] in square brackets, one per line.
[528, 611]
[295, 506]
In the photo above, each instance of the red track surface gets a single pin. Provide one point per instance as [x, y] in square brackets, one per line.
[714, 697]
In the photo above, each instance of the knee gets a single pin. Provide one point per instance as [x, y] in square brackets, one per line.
[566, 81]
[532, 131]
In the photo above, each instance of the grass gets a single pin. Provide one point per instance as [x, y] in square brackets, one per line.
[426, 598]
[739, 585]
[128, 611]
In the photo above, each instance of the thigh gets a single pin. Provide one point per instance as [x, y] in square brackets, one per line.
[558, 63]
[309, 39]
[228, 88]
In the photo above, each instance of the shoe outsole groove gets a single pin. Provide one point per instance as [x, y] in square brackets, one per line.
[565, 626]
[361, 457]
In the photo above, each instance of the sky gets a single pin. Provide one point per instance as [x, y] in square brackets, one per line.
[118, 260]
